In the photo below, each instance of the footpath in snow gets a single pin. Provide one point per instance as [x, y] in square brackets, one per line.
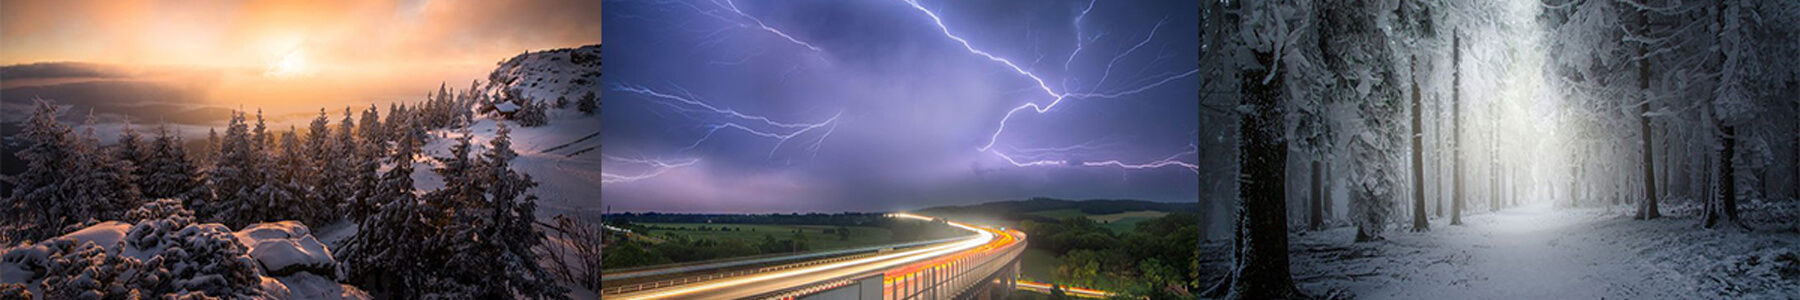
[1543, 252]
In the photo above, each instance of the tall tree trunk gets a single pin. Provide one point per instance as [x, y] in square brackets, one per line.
[1456, 142]
[1317, 220]
[1261, 248]
[1647, 208]
[1574, 184]
[1420, 223]
[1327, 191]
[1493, 165]
[1726, 208]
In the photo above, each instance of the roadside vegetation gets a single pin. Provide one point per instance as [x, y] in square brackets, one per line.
[1157, 259]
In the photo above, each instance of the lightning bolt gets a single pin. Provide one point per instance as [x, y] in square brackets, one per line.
[688, 104]
[657, 167]
[1056, 97]
[782, 132]
[1172, 160]
[738, 17]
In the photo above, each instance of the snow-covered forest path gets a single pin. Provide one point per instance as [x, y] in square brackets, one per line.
[1536, 252]
[1539, 251]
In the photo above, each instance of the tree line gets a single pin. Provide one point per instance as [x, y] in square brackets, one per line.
[472, 238]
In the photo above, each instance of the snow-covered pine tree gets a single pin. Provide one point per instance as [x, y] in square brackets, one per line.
[1359, 53]
[341, 168]
[37, 209]
[387, 255]
[513, 234]
[170, 173]
[588, 103]
[370, 129]
[284, 193]
[367, 150]
[532, 114]
[100, 187]
[210, 151]
[131, 149]
[320, 187]
[259, 136]
[391, 126]
[461, 186]
[234, 175]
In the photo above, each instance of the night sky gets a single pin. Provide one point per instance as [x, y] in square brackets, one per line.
[802, 106]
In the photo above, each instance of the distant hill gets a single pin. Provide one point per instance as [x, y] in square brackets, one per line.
[1047, 209]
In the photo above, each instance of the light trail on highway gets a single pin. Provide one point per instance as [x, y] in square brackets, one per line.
[1072, 291]
[750, 285]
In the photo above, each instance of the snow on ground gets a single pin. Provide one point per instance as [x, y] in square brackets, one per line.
[1542, 252]
[105, 233]
[559, 156]
[286, 247]
[562, 156]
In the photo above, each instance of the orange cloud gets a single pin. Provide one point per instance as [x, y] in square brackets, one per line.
[350, 52]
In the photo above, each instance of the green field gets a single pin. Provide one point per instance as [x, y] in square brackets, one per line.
[816, 238]
[1060, 214]
[1126, 221]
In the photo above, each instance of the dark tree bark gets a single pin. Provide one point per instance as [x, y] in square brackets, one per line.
[1726, 208]
[1328, 188]
[1456, 142]
[1317, 220]
[1261, 270]
[1647, 208]
[1420, 223]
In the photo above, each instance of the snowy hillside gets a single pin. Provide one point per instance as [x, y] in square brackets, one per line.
[562, 155]
[546, 75]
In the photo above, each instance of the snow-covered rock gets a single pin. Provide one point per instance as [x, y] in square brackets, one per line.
[309, 286]
[286, 247]
[106, 234]
[279, 260]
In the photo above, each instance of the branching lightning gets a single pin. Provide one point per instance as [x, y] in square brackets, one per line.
[1056, 97]
[688, 104]
[656, 166]
[716, 118]
[744, 20]
[782, 132]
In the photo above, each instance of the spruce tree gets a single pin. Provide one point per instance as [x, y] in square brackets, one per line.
[36, 209]
[512, 215]
[233, 176]
[169, 173]
[131, 150]
[100, 187]
[387, 256]
[588, 104]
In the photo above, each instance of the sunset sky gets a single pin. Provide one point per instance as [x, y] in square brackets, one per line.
[154, 60]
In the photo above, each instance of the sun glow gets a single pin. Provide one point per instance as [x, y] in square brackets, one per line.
[293, 64]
